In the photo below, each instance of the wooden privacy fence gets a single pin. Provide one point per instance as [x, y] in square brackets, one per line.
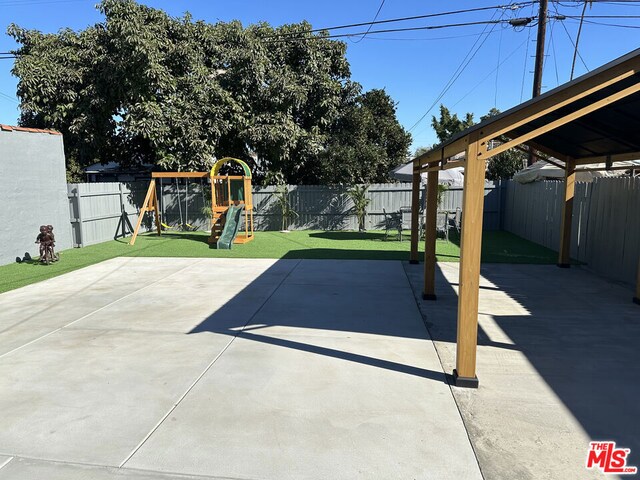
[104, 211]
[605, 228]
[329, 208]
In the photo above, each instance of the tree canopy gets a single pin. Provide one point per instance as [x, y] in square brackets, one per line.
[502, 166]
[144, 87]
[449, 124]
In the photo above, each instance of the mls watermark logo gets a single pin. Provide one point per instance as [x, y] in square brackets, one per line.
[606, 457]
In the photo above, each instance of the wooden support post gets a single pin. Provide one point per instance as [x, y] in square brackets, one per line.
[150, 204]
[564, 255]
[156, 210]
[470, 249]
[415, 217]
[429, 292]
[636, 299]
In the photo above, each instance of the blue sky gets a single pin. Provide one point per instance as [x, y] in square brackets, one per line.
[413, 67]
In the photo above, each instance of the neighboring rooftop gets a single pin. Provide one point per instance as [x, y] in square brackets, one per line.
[11, 128]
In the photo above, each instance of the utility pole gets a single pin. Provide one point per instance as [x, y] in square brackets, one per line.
[537, 73]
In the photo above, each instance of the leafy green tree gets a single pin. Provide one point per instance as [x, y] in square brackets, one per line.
[144, 87]
[366, 142]
[506, 164]
[502, 166]
[449, 124]
[420, 150]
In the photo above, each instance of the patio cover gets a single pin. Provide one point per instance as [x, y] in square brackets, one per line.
[591, 120]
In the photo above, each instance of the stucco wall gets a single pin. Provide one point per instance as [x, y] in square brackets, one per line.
[33, 193]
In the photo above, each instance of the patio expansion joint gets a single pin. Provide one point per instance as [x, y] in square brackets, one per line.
[455, 400]
[164, 474]
[6, 462]
[207, 368]
[98, 310]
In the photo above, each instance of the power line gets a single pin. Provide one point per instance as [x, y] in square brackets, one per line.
[8, 97]
[555, 56]
[611, 24]
[575, 50]
[416, 39]
[577, 17]
[470, 55]
[25, 3]
[371, 25]
[574, 45]
[526, 58]
[490, 73]
[415, 17]
[516, 22]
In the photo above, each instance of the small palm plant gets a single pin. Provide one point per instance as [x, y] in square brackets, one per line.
[283, 200]
[358, 195]
[282, 197]
[442, 188]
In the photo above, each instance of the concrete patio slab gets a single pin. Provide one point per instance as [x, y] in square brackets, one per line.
[4, 460]
[317, 407]
[22, 469]
[557, 363]
[348, 273]
[215, 367]
[90, 396]
[336, 310]
[35, 310]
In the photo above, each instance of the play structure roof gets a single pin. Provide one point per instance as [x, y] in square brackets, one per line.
[218, 165]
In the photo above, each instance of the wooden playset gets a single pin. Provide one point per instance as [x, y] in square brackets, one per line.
[230, 200]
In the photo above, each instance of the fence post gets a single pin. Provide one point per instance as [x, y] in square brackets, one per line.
[123, 210]
[415, 215]
[78, 196]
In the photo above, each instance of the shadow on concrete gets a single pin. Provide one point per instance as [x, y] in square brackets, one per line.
[328, 311]
[580, 333]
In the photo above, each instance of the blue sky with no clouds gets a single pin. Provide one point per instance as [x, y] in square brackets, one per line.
[414, 67]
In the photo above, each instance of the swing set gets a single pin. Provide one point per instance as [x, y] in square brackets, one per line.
[231, 199]
[184, 221]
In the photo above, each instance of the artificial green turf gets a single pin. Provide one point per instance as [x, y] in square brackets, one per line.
[497, 247]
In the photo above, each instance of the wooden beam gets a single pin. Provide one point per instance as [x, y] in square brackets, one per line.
[429, 292]
[542, 149]
[564, 97]
[563, 120]
[179, 174]
[444, 153]
[555, 164]
[415, 217]
[469, 283]
[564, 256]
[147, 206]
[621, 157]
[548, 151]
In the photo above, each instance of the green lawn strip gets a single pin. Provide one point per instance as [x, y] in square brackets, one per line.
[498, 247]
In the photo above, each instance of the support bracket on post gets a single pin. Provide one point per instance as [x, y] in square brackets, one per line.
[465, 382]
